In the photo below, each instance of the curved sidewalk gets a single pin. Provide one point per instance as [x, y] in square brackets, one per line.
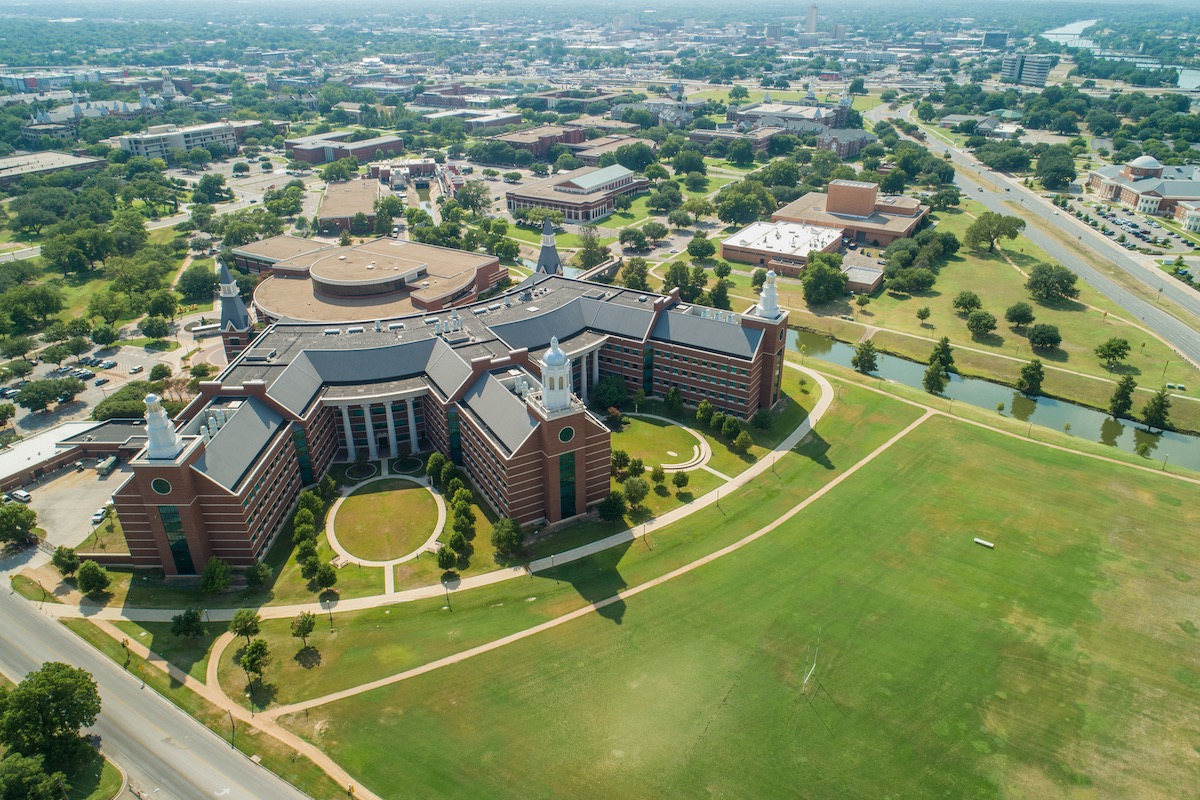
[496, 576]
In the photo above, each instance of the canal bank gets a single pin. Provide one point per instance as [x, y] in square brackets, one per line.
[1047, 412]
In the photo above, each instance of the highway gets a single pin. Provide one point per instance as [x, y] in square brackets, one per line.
[971, 178]
[166, 754]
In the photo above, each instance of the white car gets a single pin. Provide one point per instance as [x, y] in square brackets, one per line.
[99, 516]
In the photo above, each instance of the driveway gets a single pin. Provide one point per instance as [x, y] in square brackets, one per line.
[66, 501]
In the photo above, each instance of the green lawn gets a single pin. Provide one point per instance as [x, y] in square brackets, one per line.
[386, 519]
[107, 537]
[370, 645]
[999, 285]
[942, 669]
[655, 442]
[190, 655]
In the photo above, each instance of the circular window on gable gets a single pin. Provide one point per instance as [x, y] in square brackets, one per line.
[161, 485]
[566, 434]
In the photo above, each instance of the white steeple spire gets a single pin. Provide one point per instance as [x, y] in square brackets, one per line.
[556, 378]
[164, 441]
[768, 301]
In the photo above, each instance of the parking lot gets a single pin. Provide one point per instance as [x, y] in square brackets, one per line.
[66, 500]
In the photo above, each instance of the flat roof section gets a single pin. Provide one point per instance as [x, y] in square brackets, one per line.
[344, 200]
[281, 248]
[32, 163]
[784, 238]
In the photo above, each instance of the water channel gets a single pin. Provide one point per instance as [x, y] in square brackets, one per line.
[1087, 423]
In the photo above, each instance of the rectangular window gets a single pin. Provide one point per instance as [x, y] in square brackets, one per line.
[566, 484]
[177, 540]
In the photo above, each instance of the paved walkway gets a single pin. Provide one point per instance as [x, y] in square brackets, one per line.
[701, 452]
[456, 658]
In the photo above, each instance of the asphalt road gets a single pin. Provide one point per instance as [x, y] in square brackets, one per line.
[165, 753]
[1174, 331]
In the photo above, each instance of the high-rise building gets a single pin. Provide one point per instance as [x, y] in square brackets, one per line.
[811, 26]
[994, 40]
[1028, 70]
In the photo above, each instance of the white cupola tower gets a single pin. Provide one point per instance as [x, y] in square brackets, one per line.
[768, 301]
[556, 378]
[164, 441]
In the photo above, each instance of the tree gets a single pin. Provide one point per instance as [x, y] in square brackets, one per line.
[25, 778]
[245, 623]
[700, 246]
[446, 558]
[989, 227]
[610, 391]
[1032, 375]
[655, 231]
[591, 252]
[217, 576]
[254, 659]
[303, 625]
[103, 335]
[259, 576]
[673, 400]
[981, 323]
[743, 441]
[634, 239]
[56, 353]
[680, 480]
[942, 355]
[434, 466]
[1019, 314]
[160, 372]
[197, 284]
[156, 327]
[506, 537]
[16, 347]
[923, 314]
[189, 623]
[1156, 412]
[1043, 336]
[44, 714]
[17, 522]
[77, 345]
[65, 560]
[1050, 282]
[1113, 352]
[163, 303]
[679, 219]
[934, 380]
[658, 474]
[686, 161]
[91, 578]
[326, 576]
[823, 280]
[945, 198]
[613, 507]
[1122, 397]
[474, 197]
[966, 302]
[634, 274]
[7, 412]
[636, 490]
[864, 359]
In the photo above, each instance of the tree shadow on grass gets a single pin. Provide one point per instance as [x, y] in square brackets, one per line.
[1055, 354]
[597, 579]
[661, 490]
[308, 657]
[685, 496]
[815, 448]
[1124, 369]
[261, 694]
[988, 339]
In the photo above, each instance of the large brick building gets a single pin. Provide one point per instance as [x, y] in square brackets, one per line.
[583, 195]
[1146, 185]
[500, 388]
[857, 208]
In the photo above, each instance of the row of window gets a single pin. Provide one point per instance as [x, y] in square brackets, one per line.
[700, 390]
[719, 366]
[683, 373]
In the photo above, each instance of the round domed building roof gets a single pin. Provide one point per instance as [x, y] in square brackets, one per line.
[554, 356]
[1146, 162]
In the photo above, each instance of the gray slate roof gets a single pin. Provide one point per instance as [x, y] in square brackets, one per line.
[236, 446]
[707, 334]
[233, 310]
[500, 411]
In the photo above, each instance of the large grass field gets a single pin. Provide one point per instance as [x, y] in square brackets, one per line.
[999, 285]
[1061, 664]
[385, 519]
[368, 645]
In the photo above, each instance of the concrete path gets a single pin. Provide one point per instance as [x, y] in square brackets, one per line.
[275, 713]
[701, 452]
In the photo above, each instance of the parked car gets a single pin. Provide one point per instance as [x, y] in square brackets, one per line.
[101, 381]
[136, 369]
[99, 516]
[21, 496]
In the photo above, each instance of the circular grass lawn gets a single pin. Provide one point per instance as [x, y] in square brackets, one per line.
[654, 441]
[386, 519]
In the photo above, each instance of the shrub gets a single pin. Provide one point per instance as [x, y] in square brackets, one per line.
[730, 427]
[91, 578]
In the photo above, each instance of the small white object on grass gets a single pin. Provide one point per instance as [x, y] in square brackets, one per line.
[986, 544]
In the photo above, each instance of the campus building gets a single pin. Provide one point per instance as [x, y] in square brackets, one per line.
[857, 208]
[1146, 185]
[319, 282]
[344, 200]
[1027, 70]
[781, 246]
[539, 140]
[500, 387]
[14, 168]
[160, 140]
[583, 195]
[324, 148]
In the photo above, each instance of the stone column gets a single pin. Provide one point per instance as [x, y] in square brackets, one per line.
[583, 377]
[372, 447]
[595, 367]
[391, 421]
[412, 425]
[349, 432]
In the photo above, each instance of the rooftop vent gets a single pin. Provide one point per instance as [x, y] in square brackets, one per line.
[332, 331]
[355, 329]
[395, 326]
